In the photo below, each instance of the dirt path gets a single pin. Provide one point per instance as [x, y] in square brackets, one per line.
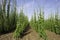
[52, 35]
[31, 35]
[8, 36]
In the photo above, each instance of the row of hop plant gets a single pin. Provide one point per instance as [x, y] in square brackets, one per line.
[21, 24]
[40, 24]
[37, 23]
[8, 18]
[53, 23]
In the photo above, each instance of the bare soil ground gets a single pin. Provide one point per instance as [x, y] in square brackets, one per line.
[31, 35]
[52, 35]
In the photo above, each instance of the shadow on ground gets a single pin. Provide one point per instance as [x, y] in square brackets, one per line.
[26, 31]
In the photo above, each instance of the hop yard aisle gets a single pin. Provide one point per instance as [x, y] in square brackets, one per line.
[30, 35]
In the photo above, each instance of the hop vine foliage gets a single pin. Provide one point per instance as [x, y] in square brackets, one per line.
[21, 24]
[38, 25]
[7, 17]
[41, 30]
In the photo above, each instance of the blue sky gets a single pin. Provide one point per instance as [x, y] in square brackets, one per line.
[30, 5]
